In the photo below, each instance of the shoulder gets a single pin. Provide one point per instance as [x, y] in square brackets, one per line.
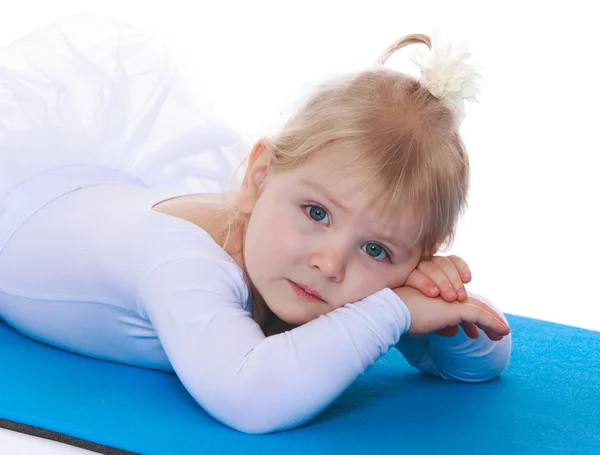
[193, 263]
[194, 282]
[175, 254]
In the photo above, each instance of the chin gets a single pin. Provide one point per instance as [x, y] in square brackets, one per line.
[296, 313]
[291, 317]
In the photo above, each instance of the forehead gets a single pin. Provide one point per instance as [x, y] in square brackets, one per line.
[339, 169]
[335, 166]
[334, 155]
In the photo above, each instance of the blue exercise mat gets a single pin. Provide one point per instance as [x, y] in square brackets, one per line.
[547, 402]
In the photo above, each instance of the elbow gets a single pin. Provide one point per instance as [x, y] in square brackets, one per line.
[495, 362]
[255, 421]
[252, 414]
[485, 363]
[249, 421]
[486, 360]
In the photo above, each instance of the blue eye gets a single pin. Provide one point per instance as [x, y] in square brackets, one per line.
[375, 251]
[317, 213]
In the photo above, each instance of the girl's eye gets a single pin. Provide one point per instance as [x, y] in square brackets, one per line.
[375, 251]
[317, 213]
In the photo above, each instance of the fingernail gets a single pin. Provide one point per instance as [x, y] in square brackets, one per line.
[433, 291]
[466, 276]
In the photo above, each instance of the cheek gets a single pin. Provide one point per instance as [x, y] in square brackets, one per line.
[398, 278]
[273, 239]
[401, 273]
[364, 282]
[373, 282]
[282, 241]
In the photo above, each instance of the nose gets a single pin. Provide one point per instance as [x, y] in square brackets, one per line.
[330, 261]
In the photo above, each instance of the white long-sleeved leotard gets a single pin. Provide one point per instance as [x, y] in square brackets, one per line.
[95, 128]
[88, 266]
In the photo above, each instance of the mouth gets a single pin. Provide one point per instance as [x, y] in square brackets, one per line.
[305, 293]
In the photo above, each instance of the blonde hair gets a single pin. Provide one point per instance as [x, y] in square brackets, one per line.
[407, 146]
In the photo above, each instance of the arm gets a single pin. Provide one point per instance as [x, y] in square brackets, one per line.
[252, 383]
[458, 358]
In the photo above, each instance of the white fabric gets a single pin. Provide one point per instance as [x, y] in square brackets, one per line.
[98, 272]
[86, 265]
[459, 358]
[86, 90]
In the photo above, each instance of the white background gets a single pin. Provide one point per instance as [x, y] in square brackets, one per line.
[531, 229]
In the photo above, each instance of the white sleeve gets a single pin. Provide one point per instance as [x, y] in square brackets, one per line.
[459, 358]
[250, 382]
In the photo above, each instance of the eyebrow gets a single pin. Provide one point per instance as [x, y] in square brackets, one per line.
[321, 189]
[395, 242]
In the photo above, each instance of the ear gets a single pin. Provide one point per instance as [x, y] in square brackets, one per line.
[256, 173]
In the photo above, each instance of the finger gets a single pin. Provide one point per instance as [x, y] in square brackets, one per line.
[453, 274]
[483, 316]
[462, 267]
[491, 334]
[437, 275]
[419, 281]
[470, 329]
[447, 331]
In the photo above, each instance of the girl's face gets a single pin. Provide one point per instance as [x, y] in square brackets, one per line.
[310, 228]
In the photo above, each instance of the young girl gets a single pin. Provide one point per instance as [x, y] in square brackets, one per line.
[118, 238]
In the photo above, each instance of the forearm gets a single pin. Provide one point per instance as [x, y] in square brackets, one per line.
[291, 377]
[259, 384]
[459, 358]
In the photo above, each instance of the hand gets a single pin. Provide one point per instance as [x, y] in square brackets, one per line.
[441, 275]
[444, 275]
[429, 314]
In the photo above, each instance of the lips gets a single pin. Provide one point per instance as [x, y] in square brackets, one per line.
[310, 290]
[305, 292]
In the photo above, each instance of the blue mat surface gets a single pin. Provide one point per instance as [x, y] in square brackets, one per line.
[547, 402]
